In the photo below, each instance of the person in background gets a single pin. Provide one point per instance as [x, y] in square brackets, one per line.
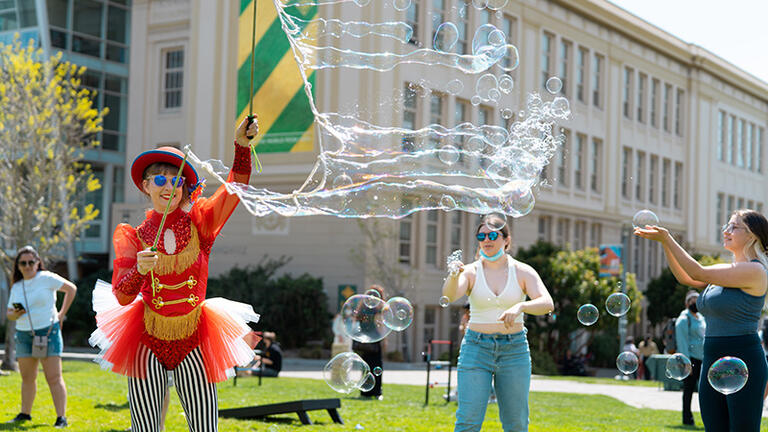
[32, 304]
[647, 348]
[272, 358]
[372, 353]
[689, 333]
[629, 346]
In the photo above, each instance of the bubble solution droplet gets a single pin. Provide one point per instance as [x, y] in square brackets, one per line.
[728, 375]
[444, 301]
[587, 314]
[617, 304]
[627, 362]
[377, 371]
[644, 217]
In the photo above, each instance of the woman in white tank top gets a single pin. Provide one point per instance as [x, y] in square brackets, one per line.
[495, 348]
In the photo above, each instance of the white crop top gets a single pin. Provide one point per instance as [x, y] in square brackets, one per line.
[484, 306]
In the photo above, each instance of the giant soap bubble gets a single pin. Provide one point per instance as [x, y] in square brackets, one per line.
[346, 372]
[372, 159]
[365, 318]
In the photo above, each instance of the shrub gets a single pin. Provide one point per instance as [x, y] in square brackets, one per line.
[542, 363]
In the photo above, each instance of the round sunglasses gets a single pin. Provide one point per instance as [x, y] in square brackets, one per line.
[160, 180]
[492, 236]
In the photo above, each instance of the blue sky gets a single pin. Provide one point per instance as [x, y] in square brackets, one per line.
[735, 30]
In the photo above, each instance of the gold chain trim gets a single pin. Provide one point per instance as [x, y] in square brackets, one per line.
[170, 328]
[181, 261]
[158, 302]
[157, 286]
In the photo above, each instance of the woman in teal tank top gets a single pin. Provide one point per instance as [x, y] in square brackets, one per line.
[733, 298]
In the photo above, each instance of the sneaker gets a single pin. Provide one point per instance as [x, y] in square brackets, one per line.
[61, 422]
[4, 373]
[20, 417]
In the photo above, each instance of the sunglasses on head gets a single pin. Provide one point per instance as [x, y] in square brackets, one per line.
[27, 263]
[160, 180]
[492, 236]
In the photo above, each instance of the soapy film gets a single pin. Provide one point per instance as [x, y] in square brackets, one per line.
[369, 165]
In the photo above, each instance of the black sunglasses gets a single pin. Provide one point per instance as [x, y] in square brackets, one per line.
[27, 263]
[492, 236]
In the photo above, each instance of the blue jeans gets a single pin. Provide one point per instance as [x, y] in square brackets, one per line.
[24, 341]
[504, 360]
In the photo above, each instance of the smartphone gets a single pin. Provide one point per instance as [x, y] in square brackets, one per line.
[18, 306]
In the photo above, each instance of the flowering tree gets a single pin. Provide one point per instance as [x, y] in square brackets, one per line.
[47, 122]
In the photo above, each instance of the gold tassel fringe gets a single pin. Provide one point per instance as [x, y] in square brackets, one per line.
[170, 328]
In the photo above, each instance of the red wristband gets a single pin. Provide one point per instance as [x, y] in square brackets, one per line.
[242, 163]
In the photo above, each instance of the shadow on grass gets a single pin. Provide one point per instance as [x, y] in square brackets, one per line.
[112, 406]
[686, 427]
[21, 426]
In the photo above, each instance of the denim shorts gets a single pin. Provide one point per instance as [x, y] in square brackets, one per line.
[24, 341]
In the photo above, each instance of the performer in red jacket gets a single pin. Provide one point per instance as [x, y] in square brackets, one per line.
[163, 321]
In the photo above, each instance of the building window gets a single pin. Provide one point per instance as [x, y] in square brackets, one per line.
[719, 217]
[740, 203]
[508, 27]
[595, 235]
[749, 144]
[597, 66]
[760, 208]
[626, 161]
[410, 109]
[679, 112]
[759, 150]
[462, 24]
[594, 168]
[173, 78]
[653, 256]
[412, 19]
[666, 168]
[720, 134]
[678, 189]
[562, 235]
[578, 161]
[565, 58]
[430, 318]
[640, 176]
[438, 17]
[405, 240]
[581, 75]
[641, 98]
[579, 235]
[729, 149]
[730, 207]
[89, 34]
[740, 143]
[460, 115]
[545, 228]
[435, 116]
[430, 253]
[18, 16]
[547, 40]
[456, 230]
[666, 106]
[654, 173]
[627, 95]
[115, 125]
[562, 159]
[654, 102]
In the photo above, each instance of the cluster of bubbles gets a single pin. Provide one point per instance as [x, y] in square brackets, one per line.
[369, 164]
[366, 318]
[617, 304]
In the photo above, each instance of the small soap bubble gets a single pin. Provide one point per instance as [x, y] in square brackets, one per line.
[495, 221]
[728, 375]
[480, 4]
[496, 38]
[506, 84]
[644, 217]
[496, 4]
[511, 58]
[455, 86]
[475, 100]
[587, 314]
[444, 301]
[554, 85]
[401, 5]
[617, 304]
[446, 37]
[447, 202]
[402, 313]
[485, 84]
[678, 367]
[341, 181]
[627, 362]
[475, 143]
[448, 154]
[372, 297]
[507, 113]
[494, 94]
[346, 372]
[377, 371]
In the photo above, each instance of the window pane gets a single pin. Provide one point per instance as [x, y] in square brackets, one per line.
[8, 21]
[58, 39]
[86, 46]
[117, 53]
[115, 84]
[57, 13]
[116, 24]
[27, 13]
[87, 17]
[115, 119]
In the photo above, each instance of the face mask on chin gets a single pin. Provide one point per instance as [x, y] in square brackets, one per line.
[692, 307]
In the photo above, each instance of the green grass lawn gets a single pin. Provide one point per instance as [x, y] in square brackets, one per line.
[97, 402]
[595, 380]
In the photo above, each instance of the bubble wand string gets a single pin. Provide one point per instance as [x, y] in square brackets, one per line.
[165, 214]
[250, 90]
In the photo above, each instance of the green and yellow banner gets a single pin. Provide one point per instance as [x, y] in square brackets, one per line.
[279, 99]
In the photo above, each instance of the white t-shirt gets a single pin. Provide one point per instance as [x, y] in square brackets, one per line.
[41, 293]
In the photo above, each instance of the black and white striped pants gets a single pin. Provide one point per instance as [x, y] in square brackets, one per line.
[198, 397]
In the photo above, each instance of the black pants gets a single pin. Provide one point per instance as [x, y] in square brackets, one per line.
[741, 411]
[689, 385]
[372, 354]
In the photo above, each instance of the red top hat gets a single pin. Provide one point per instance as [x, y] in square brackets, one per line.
[170, 155]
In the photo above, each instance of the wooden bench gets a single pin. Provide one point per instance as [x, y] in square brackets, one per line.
[300, 407]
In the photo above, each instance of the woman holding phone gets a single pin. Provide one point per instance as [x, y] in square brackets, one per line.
[32, 304]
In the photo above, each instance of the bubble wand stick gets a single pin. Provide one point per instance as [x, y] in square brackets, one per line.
[250, 90]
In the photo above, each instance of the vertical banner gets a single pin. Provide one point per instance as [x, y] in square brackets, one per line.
[285, 118]
[610, 260]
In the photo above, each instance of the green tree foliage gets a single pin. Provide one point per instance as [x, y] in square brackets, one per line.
[572, 279]
[666, 296]
[293, 307]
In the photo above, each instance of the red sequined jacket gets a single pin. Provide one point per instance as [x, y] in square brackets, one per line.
[172, 304]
